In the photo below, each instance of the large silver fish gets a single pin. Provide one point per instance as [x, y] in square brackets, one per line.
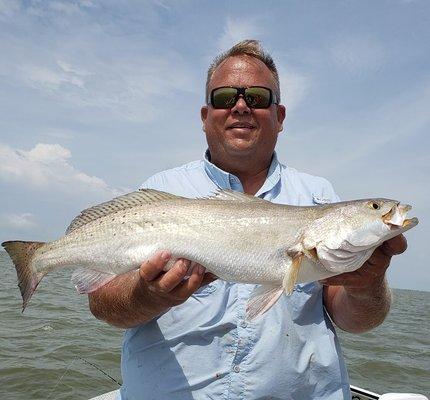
[237, 237]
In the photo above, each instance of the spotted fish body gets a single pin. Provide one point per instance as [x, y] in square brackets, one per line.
[237, 237]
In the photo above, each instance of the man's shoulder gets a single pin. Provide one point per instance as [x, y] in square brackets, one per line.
[303, 177]
[319, 187]
[188, 168]
[185, 180]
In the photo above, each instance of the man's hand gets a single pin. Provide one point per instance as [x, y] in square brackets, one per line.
[359, 301]
[139, 296]
[171, 288]
[373, 270]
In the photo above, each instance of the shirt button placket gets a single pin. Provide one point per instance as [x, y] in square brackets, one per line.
[238, 381]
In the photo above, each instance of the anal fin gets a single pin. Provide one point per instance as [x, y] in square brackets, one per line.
[262, 299]
[89, 280]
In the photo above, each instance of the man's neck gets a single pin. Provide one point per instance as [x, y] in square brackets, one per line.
[252, 183]
[251, 173]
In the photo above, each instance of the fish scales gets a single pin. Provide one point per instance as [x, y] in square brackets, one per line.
[210, 233]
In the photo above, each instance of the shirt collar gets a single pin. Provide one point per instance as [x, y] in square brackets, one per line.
[226, 180]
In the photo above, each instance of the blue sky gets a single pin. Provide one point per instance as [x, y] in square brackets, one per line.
[95, 96]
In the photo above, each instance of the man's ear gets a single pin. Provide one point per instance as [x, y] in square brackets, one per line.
[203, 115]
[281, 113]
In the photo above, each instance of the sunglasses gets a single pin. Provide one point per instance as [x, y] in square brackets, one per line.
[255, 97]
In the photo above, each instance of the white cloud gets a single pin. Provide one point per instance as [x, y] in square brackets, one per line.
[48, 166]
[82, 63]
[358, 55]
[237, 29]
[52, 78]
[17, 221]
[132, 89]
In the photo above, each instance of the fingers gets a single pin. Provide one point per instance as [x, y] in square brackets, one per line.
[396, 245]
[195, 279]
[378, 262]
[172, 278]
[346, 279]
[152, 267]
[171, 286]
[188, 287]
[151, 271]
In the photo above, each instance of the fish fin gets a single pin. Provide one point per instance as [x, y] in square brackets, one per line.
[89, 280]
[262, 299]
[290, 277]
[312, 254]
[21, 254]
[129, 200]
[227, 194]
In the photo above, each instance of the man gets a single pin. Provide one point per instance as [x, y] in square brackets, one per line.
[189, 340]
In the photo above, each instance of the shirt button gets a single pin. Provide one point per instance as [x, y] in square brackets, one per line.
[236, 368]
[243, 324]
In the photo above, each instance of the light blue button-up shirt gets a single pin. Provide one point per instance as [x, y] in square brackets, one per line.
[206, 349]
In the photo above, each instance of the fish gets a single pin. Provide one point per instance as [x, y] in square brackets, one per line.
[236, 236]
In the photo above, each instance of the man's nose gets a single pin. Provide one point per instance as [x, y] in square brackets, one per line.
[241, 107]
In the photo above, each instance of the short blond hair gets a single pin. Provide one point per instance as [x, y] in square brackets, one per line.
[250, 48]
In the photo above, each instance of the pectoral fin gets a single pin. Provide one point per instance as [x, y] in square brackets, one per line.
[262, 299]
[290, 277]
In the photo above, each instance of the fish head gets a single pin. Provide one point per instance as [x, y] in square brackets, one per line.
[348, 233]
[373, 221]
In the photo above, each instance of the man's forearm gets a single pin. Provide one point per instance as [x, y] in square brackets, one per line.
[121, 302]
[139, 296]
[358, 310]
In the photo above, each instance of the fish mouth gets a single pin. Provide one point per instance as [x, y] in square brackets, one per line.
[396, 217]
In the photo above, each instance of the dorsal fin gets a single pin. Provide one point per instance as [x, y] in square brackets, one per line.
[129, 200]
[228, 194]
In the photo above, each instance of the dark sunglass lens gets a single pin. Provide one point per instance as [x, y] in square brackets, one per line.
[257, 97]
[224, 97]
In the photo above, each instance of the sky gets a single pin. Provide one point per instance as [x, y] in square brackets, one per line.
[96, 96]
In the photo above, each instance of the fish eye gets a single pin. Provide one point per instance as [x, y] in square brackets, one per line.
[375, 206]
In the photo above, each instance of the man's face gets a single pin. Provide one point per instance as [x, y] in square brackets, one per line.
[242, 131]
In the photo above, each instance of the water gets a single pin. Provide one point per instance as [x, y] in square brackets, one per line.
[39, 349]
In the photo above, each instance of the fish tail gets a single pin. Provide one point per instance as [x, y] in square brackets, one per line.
[22, 254]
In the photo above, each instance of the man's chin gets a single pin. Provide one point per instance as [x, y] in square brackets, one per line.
[240, 149]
